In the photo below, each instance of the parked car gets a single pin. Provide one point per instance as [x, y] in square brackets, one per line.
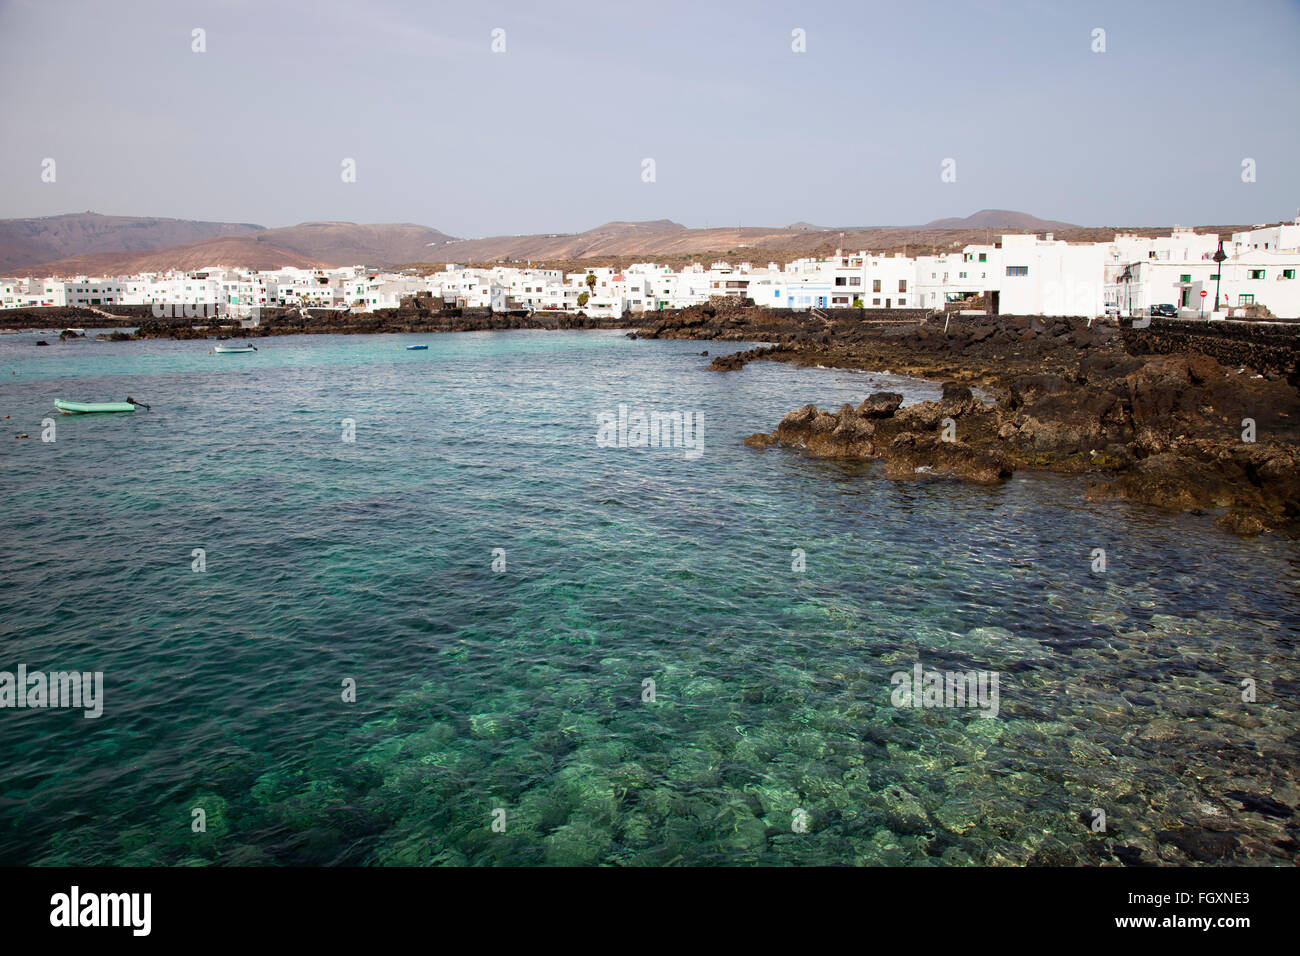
[1166, 310]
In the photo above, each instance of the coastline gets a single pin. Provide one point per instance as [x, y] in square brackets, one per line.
[1146, 415]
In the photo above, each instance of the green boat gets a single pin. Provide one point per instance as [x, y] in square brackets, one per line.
[85, 408]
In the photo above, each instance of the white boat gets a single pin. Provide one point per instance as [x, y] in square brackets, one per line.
[227, 349]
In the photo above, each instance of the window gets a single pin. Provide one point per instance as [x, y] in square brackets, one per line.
[1186, 278]
[856, 280]
[1257, 273]
[1017, 270]
[984, 257]
[875, 301]
[875, 287]
[1288, 273]
[902, 285]
[840, 280]
[1245, 300]
[1214, 278]
[902, 301]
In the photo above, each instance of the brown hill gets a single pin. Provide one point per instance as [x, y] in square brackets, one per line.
[347, 243]
[309, 245]
[1000, 219]
[26, 242]
[747, 243]
[242, 251]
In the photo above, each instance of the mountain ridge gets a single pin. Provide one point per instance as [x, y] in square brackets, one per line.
[87, 240]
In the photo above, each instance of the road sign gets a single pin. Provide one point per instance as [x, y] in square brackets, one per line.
[1204, 293]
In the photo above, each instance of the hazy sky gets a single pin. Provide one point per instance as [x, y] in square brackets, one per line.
[550, 135]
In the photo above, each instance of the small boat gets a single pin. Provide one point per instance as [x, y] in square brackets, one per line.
[227, 349]
[416, 348]
[86, 408]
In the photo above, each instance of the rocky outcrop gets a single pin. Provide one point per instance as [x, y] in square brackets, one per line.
[1176, 432]
[955, 436]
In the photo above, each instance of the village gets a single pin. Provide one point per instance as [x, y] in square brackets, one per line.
[1250, 274]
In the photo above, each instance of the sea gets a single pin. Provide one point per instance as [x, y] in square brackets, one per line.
[353, 604]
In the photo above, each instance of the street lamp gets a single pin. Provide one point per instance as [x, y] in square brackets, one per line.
[1219, 259]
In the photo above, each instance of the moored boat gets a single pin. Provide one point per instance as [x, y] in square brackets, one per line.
[416, 348]
[227, 349]
[86, 408]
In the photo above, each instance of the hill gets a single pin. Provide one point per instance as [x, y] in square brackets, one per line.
[308, 246]
[1000, 219]
[26, 242]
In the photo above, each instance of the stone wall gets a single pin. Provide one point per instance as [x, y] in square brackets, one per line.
[1267, 347]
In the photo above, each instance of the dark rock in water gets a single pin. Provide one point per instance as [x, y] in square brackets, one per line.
[1052, 854]
[705, 352]
[880, 405]
[910, 455]
[905, 438]
[760, 441]
[1258, 803]
[727, 363]
[42, 342]
[1204, 846]
[1242, 523]
[1131, 856]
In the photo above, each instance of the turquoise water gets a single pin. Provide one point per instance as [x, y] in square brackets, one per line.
[521, 690]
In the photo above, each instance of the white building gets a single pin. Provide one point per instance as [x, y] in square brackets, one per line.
[1020, 274]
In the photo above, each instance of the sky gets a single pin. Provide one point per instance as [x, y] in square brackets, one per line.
[551, 133]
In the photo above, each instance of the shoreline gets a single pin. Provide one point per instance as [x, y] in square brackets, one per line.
[1144, 414]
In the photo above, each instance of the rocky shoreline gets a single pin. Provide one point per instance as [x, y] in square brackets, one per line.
[1166, 426]
[420, 315]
